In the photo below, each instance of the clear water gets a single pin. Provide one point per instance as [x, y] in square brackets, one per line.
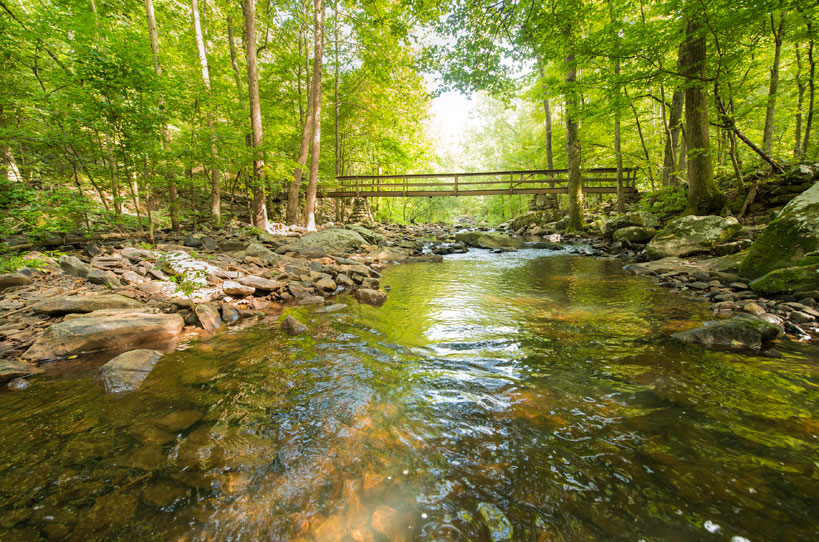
[523, 396]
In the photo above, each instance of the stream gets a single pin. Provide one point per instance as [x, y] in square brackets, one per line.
[529, 396]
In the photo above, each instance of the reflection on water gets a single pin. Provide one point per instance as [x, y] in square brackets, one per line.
[523, 396]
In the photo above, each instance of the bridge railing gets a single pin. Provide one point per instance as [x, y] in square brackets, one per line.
[538, 181]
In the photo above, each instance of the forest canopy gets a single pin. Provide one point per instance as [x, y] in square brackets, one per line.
[119, 114]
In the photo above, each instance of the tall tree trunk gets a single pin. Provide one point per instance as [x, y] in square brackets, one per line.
[216, 205]
[259, 211]
[811, 91]
[312, 185]
[618, 151]
[547, 113]
[767, 137]
[800, 102]
[575, 188]
[703, 194]
[672, 139]
[171, 180]
[233, 60]
[304, 149]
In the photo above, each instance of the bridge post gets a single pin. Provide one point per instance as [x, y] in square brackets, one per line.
[456, 185]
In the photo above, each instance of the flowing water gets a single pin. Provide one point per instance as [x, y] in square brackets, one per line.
[523, 396]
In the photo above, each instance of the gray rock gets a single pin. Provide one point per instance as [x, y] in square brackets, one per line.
[208, 316]
[137, 254]
[337, 241]
[799, 174]
[260, 284]
[371, 297]
[57, 306]
[9, 280]
[257, 250]
[634, 234]
[327, 284]
[106, 278]
[311, 300]
[370, 236]
[131, 277]
[127, 371]
[642, 219]
[235, 289]
[19, 384]
[479, 239]
[106, 333]
[332, 308]
[689, 235]
[291, 326]
[229, 313]
[192, 241]
[12, 368]
[344, 281]
[740, 333]
[74, 266]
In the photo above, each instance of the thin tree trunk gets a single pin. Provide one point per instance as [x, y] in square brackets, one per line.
[259, 211]
[811, 92]
[575, 189]
[800, 101]
[216, 206]
[312, 186]
[643, 144]
[767, 138]
[233, 60]
[304, 149]
[170, 179]
[547, 113]
[703, 194]
[618, 151]
[672, 139]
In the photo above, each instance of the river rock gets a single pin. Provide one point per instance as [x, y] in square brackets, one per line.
[74, 266]
[500, 528]
[371, 297]
[337, 241]
[257, 250]
[110, 312]
[259, 283]
[787, 239]
[370, 236]
[56, 306]
[291, 326]
[12, 368]
[634, 234]
[642, 219]
[689, 235]
[741, 333]
[235, 289]
[9, 280]
[127, 371]
[208, 316]
[106, 333]
[327, 284]
[229, 313]
[788, 280]
[106, 278]
[480, 239]
[137, 254]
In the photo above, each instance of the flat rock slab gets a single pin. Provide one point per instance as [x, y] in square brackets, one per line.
[12, 368]
[235, 289]
[740, 333]
[57, 306]
[8, 280]
[260, 283]
[105, 333]
[127, 371]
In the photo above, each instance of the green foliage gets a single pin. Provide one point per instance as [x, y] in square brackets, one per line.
[13, 261]
[665, 203]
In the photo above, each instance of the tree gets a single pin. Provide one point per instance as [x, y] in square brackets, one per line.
[312, 186]
[259, 211]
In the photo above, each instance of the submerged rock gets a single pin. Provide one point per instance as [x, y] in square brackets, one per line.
[741, 333]
[371, 297]
[787, 239]
[105, 333]
[500, 528]
[12, 368]
[127, 371]
[689, 235]
[57, 306]
[293, 327]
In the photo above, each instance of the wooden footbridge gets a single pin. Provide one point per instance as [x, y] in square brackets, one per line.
[493, 183]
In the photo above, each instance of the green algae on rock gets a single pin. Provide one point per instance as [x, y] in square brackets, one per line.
[788, 280]
[689, 235]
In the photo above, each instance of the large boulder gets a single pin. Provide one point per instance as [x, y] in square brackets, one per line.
[787, 280]
[127, 371]
[66, 304]
[337, 241]
[106, 333]
[534, 218]
[689, 235]
[642, 219]
[481, 239]
[741, 333]
[370, 236]
[787, 239]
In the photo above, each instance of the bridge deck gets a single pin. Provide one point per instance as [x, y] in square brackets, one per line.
[538, 181]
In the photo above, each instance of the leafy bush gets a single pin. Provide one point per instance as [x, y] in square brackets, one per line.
[665, 202]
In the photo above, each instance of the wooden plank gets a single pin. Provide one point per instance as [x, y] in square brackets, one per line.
[550, 172]
[493, 192]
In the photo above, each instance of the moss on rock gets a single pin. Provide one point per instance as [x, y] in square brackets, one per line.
[788, 280]
[692, 235]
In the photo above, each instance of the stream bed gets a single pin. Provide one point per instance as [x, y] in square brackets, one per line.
[522, 396]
